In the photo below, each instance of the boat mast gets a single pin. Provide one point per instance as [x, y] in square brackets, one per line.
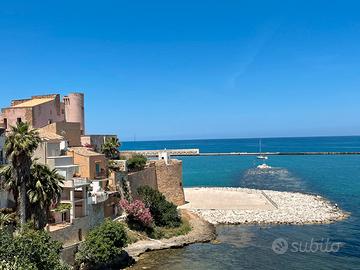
[260, 146]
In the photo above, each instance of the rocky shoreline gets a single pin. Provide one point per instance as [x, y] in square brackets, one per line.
[201, 232]
[289, 208]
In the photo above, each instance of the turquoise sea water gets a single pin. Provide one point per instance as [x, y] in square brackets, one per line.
[250, 247]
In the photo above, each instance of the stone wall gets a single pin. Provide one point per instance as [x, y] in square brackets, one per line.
[169, 180]
[74, 233]
[68, 253]
[146, 177]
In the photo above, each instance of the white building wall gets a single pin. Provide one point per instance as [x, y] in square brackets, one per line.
[164, 155]
[53, 149]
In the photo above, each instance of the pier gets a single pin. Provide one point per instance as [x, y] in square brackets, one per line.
[196, 152]
[278, 153]
[171, 152]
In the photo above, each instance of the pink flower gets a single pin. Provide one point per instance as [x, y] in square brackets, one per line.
[137, 211]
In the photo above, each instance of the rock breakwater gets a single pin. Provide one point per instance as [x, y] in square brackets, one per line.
[288, 208]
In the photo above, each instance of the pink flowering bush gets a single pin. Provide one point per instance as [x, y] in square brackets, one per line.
[138, 215]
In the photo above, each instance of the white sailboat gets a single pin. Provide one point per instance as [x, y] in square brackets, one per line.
[263, 166]
[261, 156]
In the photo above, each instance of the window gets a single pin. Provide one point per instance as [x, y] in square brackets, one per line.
[97, 169]
[18, 120]
[49, 121]
[64, 217]
[5, 123]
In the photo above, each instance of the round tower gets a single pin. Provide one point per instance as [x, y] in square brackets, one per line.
[74, 109]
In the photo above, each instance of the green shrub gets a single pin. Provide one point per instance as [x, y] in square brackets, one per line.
[163, 212]
[166, 232]
[17, 264]
[102, 248]
[62, 207]
[7, 220]
[136, 162]
[29, 249]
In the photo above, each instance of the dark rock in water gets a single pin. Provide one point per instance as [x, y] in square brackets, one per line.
[123, 261]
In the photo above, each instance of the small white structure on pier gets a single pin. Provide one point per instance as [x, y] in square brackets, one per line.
[164, 155]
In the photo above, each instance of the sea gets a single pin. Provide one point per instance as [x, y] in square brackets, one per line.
[335, 177]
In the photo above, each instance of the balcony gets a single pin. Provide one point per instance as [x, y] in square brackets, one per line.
[98, 197]
[60, 161]
[76, 182]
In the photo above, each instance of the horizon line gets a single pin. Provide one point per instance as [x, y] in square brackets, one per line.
[243, 138]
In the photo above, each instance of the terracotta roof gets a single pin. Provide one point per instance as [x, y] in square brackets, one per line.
[84, 151]
[33, 102]
[49, 136]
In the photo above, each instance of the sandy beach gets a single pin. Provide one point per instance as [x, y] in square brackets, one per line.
[251, 206]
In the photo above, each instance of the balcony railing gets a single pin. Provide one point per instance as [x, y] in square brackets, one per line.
[98, 197]
[61, 160]
[76, 182]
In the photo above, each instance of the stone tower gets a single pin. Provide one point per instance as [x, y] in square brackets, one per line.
[74, 109]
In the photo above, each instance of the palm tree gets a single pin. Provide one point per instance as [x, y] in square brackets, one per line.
[20, 144]
[5, 219]
[44, 189]
[9, 182]
[110, 148]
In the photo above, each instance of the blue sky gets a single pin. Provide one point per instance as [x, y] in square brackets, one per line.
[190, 69]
